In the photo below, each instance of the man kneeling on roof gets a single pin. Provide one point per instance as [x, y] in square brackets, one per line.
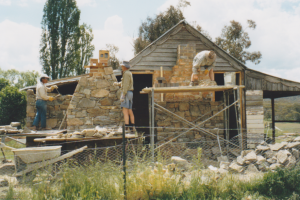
[205, 61]
[127, 95]
[41, 102]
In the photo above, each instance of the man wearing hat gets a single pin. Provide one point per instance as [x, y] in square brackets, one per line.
[127, 95]
[205, 61]
[41, 102]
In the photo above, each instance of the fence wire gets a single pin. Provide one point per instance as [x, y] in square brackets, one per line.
[204, 151]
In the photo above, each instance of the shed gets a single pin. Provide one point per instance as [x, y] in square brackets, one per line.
[173, 52]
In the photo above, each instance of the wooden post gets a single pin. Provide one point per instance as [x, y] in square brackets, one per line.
[161, 75]
[150, 110]
[273, 119]
[239, 117]
[225, 121]
[152, 124]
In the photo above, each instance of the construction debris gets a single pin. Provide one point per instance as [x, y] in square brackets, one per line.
[11, 129]
[97, 132]
[265, 157]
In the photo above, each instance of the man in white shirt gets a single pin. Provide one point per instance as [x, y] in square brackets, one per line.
[41, 102]
[205, 61]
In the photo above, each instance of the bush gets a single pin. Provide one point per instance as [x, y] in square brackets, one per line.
[12, 105]
[281, 183]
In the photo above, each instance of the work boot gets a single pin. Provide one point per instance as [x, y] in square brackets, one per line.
[192, 83]
[134, 130]
[127, 129]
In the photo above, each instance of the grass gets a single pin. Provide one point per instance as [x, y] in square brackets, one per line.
[104, 180]
[285, 128]
[7, 152]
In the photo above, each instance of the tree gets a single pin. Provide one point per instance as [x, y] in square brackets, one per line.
[153, 28]
[19, 79]
[83, 48]
[234, 40]
[27, 78]
[3, 83]
[114, 61]
[12, 105]
[65, 45]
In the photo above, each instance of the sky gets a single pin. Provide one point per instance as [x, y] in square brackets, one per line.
[116, 22]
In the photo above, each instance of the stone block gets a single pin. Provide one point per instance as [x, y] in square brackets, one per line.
[109, 107]
[184, 106]
[103, 84]
[100, 93]
[83, 81]
[74, 122]
[51, 123]
[86, 103]
[64, 107]
[108, 70]
[30, 109]
[106, 102]
[80, 114]
[31, 114]
[86, 91]
[181, 114]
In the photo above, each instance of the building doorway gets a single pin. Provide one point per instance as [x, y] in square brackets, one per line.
[140, 106]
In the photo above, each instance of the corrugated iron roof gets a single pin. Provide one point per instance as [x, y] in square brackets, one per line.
[58, 82]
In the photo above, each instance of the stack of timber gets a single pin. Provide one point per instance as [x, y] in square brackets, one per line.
[255, 117]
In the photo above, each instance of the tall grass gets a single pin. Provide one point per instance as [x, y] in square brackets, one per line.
[104, 180]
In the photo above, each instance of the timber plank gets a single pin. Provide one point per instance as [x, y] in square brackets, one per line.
[254, 98]
[157, 59]
[182, 41]
[163, 50]
[170, 55]
[254, 103]
[189, 89]
[255, 117]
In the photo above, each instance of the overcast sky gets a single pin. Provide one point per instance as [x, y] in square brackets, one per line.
[277, 35]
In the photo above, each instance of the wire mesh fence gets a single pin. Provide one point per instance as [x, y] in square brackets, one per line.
[139, 155]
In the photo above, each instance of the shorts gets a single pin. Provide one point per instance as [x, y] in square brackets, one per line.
[202, 68]
[127, 103]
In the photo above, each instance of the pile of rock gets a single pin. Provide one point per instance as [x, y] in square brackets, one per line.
[97, 132]
[264, 157]
[11, 129]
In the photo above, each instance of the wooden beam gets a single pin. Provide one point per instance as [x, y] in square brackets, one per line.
[287, 121]
[273, 120]
[189, 89]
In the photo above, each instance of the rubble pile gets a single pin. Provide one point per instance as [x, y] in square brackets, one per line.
[11, 129]
[97, 132]
[264, 157]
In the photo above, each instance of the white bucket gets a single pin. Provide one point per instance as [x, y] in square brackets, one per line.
[229, 78]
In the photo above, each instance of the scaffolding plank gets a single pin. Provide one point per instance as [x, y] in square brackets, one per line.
[190, 89]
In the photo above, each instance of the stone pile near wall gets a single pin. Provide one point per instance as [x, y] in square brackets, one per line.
[55, 109]
[265, 157]
[95, 102]
[168, 125]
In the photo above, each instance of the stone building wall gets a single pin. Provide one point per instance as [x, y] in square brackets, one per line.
[95, 102]
[55, 110]
[181, 73]
[254, 117]
[190, 111]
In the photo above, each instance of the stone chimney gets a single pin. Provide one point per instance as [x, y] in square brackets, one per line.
[99, 67]
[96, 100]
